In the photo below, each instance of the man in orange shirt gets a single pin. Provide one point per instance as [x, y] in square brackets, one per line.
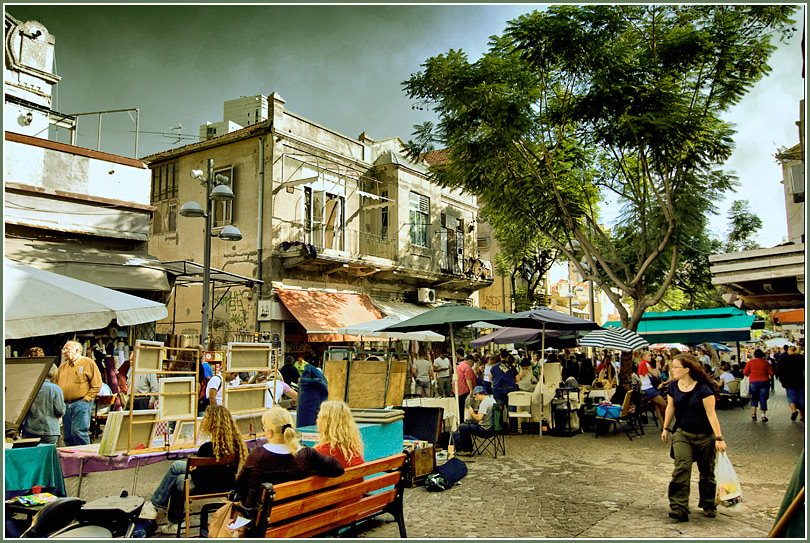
[465, 382]
[80, 380]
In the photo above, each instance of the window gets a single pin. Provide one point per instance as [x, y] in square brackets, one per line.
[483, 243]
[171, 218]
[797, 183]
[165, 181]
[210, 132]
[384, 216]
[223, 211]
[324, 217]
[420, 219]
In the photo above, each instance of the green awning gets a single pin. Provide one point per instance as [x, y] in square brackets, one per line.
[717, 325]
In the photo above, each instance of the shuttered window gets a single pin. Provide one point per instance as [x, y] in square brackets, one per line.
[420, 219]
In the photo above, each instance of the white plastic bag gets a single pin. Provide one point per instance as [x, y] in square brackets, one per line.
[728, 484]
[745, 388]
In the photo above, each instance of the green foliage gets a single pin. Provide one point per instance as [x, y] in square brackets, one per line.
[744, 224]
[578, 103]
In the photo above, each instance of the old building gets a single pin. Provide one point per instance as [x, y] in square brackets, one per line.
[337, 229]
[67, 209]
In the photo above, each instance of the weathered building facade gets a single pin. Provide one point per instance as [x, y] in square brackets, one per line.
[322, 213]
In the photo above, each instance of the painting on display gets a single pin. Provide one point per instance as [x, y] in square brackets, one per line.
[178, 398]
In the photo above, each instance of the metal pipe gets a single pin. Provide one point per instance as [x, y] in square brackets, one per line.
[260, 227]
[137, 123]
[98, 136]
[207, 254]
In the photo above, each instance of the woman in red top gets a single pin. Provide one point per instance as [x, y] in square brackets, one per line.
[339, 434]
[759, 373]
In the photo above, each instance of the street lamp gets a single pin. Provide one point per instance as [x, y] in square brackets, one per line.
[215, 190]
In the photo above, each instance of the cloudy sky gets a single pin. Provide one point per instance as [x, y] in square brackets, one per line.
[340, 66]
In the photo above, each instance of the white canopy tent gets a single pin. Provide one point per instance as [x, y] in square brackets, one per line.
[40, 303]
[374, 329]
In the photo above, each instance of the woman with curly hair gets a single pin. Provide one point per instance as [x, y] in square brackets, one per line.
[339, 434]
[225, 440]
[696, 435]
[281, 459]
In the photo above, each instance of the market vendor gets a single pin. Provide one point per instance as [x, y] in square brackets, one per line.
[80, 381]
[482, 424]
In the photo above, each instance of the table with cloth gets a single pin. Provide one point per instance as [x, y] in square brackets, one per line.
[82, 459]
[31, 466]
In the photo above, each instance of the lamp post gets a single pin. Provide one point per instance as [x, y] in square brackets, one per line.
[215, 190]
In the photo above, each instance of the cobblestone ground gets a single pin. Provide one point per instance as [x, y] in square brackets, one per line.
[579, 486]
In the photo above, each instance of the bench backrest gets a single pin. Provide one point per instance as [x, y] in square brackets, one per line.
[317, 504]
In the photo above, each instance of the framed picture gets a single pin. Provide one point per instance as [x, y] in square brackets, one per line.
[250, 357]
[178, 398]
[242, 398]
[249, 424]
[184, 433]
[116, 438]
[160, 436]
[149, 355]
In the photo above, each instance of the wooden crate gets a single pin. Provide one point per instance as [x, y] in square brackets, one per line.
[423, 463]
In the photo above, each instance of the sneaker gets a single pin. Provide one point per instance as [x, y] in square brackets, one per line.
[764, 419]
[170, 528]
[679, 516]
[710, 513]
[794, 415]
[149, 511]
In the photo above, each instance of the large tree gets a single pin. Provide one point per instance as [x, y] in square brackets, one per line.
[579, 104]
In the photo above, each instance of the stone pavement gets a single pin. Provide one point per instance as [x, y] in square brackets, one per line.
[579, 486]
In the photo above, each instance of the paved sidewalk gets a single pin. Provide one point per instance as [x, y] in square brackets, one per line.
[579, 486]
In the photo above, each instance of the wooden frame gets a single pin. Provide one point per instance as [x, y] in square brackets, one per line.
[178, 398]
[244, 398]
[27, 374]
[116, 437]
[149, 356]
[250, 357]
[249, 424]
[185, 433]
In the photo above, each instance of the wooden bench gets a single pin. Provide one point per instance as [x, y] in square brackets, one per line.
[317, 504]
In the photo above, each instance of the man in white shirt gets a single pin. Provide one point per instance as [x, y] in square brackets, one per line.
[441, 367]
[216, 385]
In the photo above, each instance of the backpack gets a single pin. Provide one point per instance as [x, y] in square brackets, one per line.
[447, 475]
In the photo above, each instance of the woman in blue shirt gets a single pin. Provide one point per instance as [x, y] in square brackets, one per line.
[43, 417]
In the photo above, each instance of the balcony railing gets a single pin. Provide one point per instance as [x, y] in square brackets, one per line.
[355, 243]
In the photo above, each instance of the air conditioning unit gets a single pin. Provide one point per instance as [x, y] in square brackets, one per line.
[426, 295]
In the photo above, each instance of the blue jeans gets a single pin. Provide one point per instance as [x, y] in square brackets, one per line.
[464, 439]
[170, 492]
[77, 422]
[759, 394]
[796, 397]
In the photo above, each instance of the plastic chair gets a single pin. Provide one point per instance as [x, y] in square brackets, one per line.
[193, 463]
[493, 441]
[733, 395]
[520, 399]
[625, 416]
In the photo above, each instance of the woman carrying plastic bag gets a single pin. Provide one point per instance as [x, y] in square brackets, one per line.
[696, 435]
[728, 484]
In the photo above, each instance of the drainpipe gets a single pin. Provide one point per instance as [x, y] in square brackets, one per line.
[260, 230]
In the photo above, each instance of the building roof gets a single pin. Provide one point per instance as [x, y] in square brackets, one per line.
[242, 133]
[440, 156]
[390, 157]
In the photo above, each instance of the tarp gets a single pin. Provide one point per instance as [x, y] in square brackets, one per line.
[696, 326]
[41, 303]
[322, 313]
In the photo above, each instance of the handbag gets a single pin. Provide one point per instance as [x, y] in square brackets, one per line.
[222, 517]
[728, 484]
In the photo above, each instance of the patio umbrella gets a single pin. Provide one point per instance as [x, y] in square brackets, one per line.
[448, 316]
[719, 346]
[516, 335]
[778, 342]
[667, 346]
[41, 303]
[619, 339]
[375, 329]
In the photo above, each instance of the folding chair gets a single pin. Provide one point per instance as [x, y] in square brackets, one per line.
[493, 440]
[193, 463]
[624, 416]
[522, 401]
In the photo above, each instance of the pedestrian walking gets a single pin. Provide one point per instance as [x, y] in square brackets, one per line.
[791, 375]
[695, 433]
[80, 381]
[441, 367]
[759, 374]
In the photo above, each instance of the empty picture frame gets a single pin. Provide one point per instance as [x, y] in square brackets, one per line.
[183, 434]
[242, 398]
[149, 355]
[250, 357]
[178, 398]
[249, 424]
